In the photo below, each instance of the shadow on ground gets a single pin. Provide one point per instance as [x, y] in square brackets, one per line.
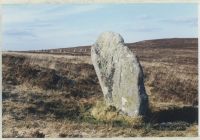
[187, 114]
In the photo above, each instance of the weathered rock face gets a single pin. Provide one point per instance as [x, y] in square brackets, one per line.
[120, 74]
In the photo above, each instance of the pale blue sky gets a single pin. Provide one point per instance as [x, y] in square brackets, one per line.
[45, 26]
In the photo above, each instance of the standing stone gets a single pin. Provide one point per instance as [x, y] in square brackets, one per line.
[120, 74]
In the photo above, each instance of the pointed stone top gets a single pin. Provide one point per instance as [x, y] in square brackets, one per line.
[108, 38]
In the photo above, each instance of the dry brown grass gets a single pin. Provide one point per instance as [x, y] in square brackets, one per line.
[174, 84]
[46, 95]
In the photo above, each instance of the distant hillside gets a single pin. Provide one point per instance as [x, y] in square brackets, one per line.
[169, 43]
[156, 43]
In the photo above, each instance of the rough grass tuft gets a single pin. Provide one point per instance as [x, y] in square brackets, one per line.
[110, 114]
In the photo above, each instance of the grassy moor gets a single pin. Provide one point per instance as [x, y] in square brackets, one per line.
[56, 93]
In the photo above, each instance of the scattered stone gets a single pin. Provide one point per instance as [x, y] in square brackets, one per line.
[120, 74]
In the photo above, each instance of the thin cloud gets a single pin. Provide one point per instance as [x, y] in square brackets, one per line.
[145, 17]
[17, 15]
[35, 22]
[191, 21]
[145, 29]
[19, 33]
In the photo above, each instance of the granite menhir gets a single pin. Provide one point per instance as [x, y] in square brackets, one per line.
[120, 74]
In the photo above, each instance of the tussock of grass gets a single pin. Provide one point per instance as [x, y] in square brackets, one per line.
[110, 114]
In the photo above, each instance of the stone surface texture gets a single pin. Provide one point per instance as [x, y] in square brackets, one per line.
[120, 74]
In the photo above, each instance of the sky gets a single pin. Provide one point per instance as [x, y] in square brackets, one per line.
[46, 26]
